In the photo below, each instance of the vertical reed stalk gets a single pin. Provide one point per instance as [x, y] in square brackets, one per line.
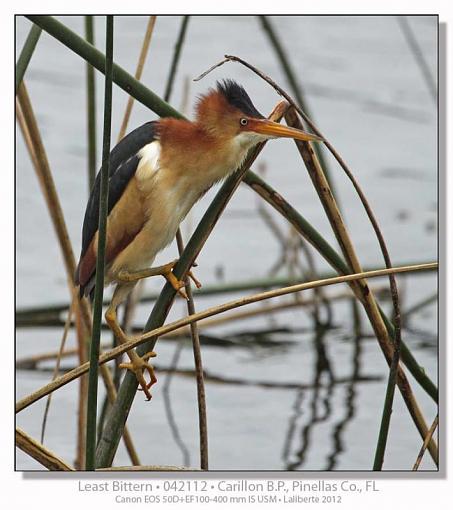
[132, 299]
[100, 260]
[417, 52]
[27, 53]
[83, 335]
[138, 73]
[91, 107]
[176, 55]
[201, 393]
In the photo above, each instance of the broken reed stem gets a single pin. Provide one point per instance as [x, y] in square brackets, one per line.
[209, 312]
[391, 350]
[38, 452]
[26, 54]
[201, 393]
[138, 73]
[91, 107]
[100, 256]
[428, 437]
[82, 352]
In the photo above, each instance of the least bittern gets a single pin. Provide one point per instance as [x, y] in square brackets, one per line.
[156, 174]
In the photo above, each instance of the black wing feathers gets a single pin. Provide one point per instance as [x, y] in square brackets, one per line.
[123, 164]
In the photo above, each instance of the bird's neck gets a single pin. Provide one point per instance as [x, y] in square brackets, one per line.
[198, 151]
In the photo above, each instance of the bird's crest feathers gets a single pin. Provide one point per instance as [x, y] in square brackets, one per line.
[227, 93]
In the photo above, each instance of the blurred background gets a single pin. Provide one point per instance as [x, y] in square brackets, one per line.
[281, 393]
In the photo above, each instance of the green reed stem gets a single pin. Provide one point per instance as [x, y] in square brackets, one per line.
[100, 261]
[97, 59]
[91, 107]
[27, 53]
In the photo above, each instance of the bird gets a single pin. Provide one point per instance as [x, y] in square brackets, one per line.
[156, 174]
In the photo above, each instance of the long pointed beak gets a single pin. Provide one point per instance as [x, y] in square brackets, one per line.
[273, 129]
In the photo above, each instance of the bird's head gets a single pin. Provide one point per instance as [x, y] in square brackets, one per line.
[229, 113]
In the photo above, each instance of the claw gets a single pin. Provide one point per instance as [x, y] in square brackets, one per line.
[194, 279]
[138, 367]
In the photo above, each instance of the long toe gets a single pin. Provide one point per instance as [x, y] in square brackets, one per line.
[194, 279]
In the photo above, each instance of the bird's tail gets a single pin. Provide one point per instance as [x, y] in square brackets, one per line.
[88, 288]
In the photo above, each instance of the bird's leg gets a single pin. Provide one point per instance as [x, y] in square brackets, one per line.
[166, 271]
[138, 365]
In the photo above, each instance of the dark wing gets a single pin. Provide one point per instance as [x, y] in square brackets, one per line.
[123, 165]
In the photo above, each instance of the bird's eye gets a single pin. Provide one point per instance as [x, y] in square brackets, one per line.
[244, 122]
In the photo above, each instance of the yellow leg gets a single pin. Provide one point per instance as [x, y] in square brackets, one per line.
[138, 365]
[165, 271]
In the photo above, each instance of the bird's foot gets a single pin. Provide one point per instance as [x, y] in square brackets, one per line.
[166, 271]
[178, 285]
[139, 365]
